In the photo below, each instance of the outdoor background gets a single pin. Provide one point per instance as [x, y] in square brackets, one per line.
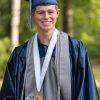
[79, 18]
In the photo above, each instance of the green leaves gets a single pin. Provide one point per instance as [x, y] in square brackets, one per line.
[4, 53]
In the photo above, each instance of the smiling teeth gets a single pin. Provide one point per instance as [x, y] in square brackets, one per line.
[46, 22]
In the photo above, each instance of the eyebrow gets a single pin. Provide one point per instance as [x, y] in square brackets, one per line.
[40, 11]
[43, 10]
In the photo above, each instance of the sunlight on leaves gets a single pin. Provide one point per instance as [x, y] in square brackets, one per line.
[86, 38]
[0, 83]
[98, 83]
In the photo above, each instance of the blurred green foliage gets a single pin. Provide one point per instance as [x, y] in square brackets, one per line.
[87, 24]
[4, 53]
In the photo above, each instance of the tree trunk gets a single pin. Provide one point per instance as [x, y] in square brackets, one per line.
[68, 17]
[15, 20]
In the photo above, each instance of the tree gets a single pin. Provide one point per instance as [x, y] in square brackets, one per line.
[68, 17]
[15, 20]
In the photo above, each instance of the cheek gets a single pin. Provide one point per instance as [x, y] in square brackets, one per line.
[36, 18]
[54, 18]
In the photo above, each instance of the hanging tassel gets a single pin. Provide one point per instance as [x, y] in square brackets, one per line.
[30, 14]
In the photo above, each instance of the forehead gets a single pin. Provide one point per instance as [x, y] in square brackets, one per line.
[46, 7]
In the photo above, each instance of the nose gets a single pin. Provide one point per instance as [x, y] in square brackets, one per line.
[46, 15]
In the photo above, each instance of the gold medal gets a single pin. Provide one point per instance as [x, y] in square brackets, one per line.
[38, 97]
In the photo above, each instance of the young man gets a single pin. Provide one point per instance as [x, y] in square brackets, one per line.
[51, 65]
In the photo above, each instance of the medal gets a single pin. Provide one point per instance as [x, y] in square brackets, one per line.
[38, 97]
[40, 73]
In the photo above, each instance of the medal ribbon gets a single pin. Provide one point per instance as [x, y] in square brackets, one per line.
[40, 74]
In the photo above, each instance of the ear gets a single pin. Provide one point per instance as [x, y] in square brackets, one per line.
[32, 13]
[58, 11]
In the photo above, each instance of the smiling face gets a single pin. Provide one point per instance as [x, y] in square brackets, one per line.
[45, 17]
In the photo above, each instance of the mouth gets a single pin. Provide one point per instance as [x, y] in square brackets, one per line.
[46, 22]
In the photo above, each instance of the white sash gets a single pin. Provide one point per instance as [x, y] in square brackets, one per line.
[40, 74]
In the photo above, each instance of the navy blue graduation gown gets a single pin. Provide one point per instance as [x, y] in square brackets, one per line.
[82, 80]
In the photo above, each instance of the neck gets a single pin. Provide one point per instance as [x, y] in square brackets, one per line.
[45, 37]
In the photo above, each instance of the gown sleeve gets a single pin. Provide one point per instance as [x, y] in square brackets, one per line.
[12, 87]
[86, 86]
[7, 90]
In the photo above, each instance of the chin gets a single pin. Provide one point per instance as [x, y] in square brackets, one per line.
[46, 29]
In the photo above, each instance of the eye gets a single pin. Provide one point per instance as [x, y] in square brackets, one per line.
[51, 12]
[39, 12]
